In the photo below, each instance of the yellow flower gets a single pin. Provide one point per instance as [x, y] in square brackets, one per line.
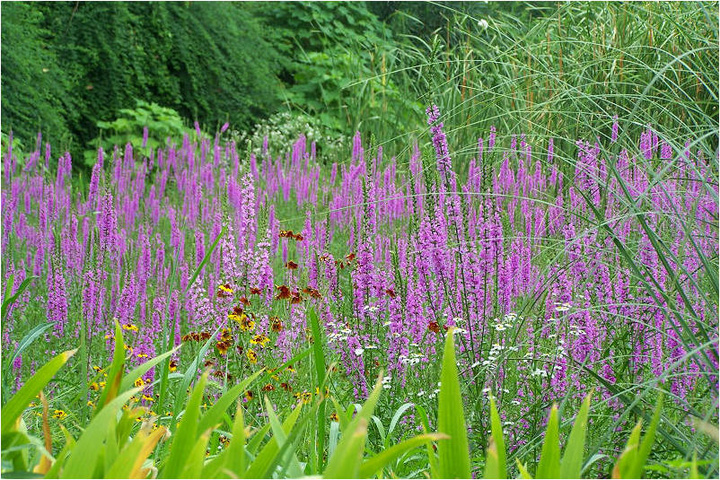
[252, 356]
[90, 403]
[148, 398]
[94, 386]
[142, 355]
[260, 339]
[246, 324]
[226, 289]
[139, 382]
[130, 327]
[59, 414]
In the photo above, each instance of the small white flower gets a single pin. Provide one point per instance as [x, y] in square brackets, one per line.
[359, 351]
[482, 23]
[500, 327]
[562, 307]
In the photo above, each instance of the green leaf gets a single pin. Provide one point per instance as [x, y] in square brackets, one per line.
[19, 402]
[7, 302]
[205, 259]
[454, 453]
[624, 464]
[549, 466]
[375, 464]
[129, 379]
[236, 458]
[214, 413]
[86, 454]
[116, 370]
[29, 339]
[193, 463]
[185, 436]
[346, 461]
[572, 460]
[495, 465]
[321, 421]
[523, 469]
[266, 460]
[289, 458]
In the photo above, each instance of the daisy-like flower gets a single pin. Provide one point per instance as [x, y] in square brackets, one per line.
[224, 291]
[251, 356]
[59, 414]
[130, 327]
[562, 307]
[245, 322]
[260, 339]
[222, 347]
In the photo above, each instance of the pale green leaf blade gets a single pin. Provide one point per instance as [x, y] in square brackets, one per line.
[454, 453]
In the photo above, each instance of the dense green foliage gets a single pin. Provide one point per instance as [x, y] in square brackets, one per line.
[534, 68]
[208, 61]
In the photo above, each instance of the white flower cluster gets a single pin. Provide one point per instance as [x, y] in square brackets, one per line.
[338, 335]
[284, 128]
[562, 307]
[387, 382]
[371, 309]
[411, 359]
[506, 322]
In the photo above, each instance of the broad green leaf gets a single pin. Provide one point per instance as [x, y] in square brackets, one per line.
[694, 473]
[196, 457]
[28, 339]
[572, 460]
[289, 459]
[128, 463]
[345, 462]
[190, 375]
[523, 470]
[184, 438]
[129, 380]
[432, 460]
[375, 464]
[214, 413]
[495, 466]
[7, 302]
[114, 379]
[549, 466]
[624, 464]
[86, 454]
[17, 404]
[321, 421]
[236, 457]
[267, 458]
[648, 439]
[454, 453]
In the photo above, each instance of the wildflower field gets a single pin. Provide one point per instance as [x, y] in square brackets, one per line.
[465, 299]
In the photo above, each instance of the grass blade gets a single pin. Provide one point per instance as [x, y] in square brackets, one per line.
[375, 464]
[549, 466]
[185, 437]
[495, 466]
[454, 453]
[347, 458]
[288, 458]
[572, 460]
[129, 379]
[13, 409]
[87, 452]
